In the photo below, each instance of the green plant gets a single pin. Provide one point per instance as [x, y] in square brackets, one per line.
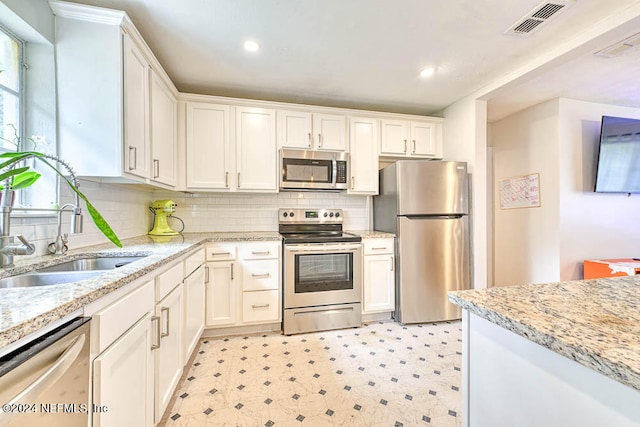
[20, 177]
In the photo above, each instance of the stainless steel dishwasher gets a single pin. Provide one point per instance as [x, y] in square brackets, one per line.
[46, 382]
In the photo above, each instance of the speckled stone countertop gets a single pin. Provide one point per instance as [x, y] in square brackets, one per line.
[372, 234]
[24, 311]
[594, 322]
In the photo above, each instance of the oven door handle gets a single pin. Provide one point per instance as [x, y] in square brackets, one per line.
[341, 248]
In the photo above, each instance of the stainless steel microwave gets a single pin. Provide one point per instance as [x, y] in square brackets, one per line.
[313, 170]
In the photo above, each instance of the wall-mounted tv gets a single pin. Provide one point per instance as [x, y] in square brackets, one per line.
[619, 156]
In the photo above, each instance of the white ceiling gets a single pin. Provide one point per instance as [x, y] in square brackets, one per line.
[368, 53]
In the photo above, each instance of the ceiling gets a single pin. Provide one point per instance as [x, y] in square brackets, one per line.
[368, 53]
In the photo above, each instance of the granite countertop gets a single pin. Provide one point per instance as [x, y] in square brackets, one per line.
[594, 322]
[24, 311]
[371, 234]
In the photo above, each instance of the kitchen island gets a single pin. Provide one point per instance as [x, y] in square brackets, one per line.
[556, 354]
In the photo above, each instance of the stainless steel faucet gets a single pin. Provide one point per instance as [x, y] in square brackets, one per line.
[59, 246]
[7, 246]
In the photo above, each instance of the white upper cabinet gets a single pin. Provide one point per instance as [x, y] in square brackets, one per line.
[312, 131]
[164, 127]
[136, 109]
[295, 130]
[405, 138]
[208, 147]
[116, 106]
[256, 153]
[363, 147]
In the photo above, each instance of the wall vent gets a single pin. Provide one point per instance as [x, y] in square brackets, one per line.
[536, 18]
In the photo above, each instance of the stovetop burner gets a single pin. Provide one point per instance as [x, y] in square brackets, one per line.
[313, 226]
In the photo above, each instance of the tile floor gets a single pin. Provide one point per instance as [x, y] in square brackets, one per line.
[382, 374]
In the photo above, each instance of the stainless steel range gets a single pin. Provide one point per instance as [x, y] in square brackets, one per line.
[322, 271]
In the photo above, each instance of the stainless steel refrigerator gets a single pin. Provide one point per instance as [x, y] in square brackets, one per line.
[425, 203]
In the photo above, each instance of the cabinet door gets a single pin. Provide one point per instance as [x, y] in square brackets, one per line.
[193, 311]
[164, 116]
[330, 132]
[256, 165]
[168, 367]
[423, 142]
[136, 110]
[208, 146]
[363, 147]
[294, 130]
[394, 137]
[379, 283]
[123, 379]
[221, 294]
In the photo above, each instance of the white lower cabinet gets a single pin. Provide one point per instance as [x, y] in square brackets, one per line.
[168, 357]
[194, 299]
[123, 369]
[246, 290]
[378, 276]
[221, 293]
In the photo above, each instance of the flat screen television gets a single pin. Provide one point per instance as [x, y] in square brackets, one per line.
[619, 156]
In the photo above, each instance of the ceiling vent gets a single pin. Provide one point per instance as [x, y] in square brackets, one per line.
[620, 47]
[538, 17]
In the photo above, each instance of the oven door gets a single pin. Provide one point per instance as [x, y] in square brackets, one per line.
[321, 274]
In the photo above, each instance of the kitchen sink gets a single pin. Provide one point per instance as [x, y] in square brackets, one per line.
[46, 279]
[92, 264]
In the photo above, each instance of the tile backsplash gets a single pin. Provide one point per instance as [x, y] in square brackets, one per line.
[125, 207]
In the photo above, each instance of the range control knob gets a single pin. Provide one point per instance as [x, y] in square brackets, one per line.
[285, 214]
[331, 214]
[337, 214]
[325, 214]
[291, 214]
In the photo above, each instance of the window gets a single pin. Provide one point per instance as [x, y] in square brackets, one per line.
[11, 51]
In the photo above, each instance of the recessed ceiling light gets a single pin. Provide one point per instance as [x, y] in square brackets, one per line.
[251, 46]
[427, 72]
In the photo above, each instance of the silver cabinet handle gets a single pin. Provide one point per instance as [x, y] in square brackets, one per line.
[353, 182]
[310, 140]
[157, 320]
[156, 168]
[238, 179]
[258, 276]
[220, 253]
[50, 376]
[206, 275]
[226, 179]
[231, 271]
[405, 145]
[379, 248]
[260, 252]
[414, 147]
[133, 164]
[391, 259]
[163, 310]
[260, 305]
[319, 140]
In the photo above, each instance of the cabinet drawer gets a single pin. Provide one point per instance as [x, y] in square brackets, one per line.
[114, 320]
[221, 252]
[378, 246]
[270, 250]
[259, 275]
[260, 306]
[168, 280]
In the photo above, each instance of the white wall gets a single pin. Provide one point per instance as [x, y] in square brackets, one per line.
[558, 139]
[465, 139]
[526, 241]
[592, 225]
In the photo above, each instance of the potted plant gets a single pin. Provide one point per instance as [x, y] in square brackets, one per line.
[16, 176]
